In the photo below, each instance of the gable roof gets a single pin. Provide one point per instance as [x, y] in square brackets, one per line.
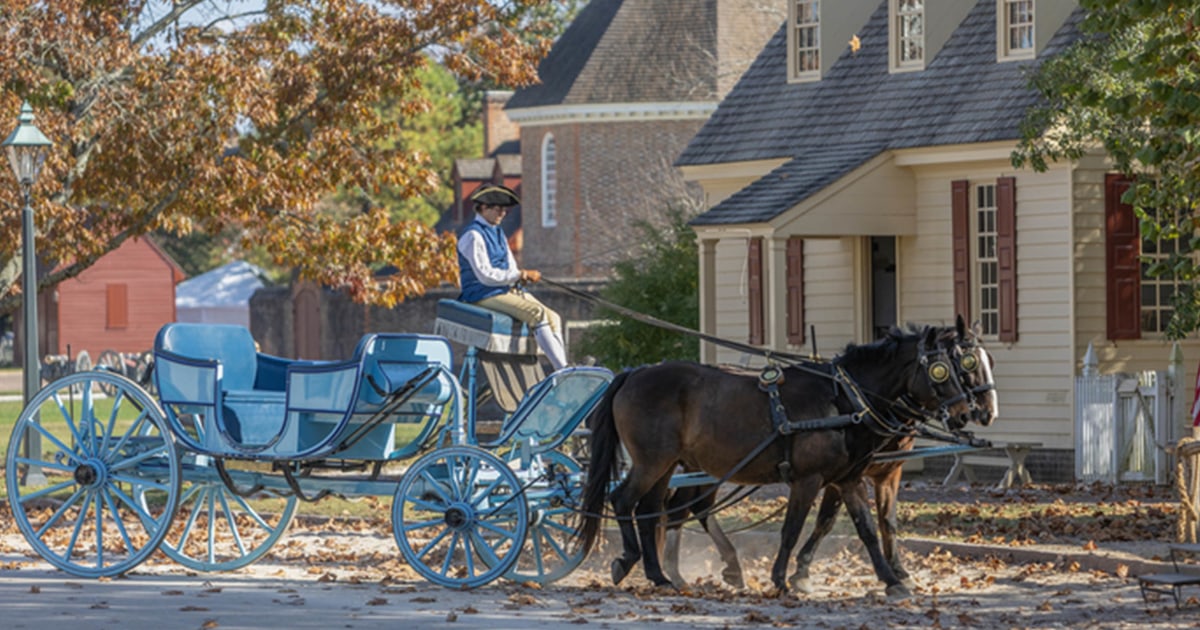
[231, 284]
[858, 110]
[630, 51]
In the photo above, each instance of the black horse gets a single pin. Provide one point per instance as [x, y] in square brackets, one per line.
[828, 421]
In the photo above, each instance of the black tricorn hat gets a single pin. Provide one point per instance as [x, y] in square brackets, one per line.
[496, 195]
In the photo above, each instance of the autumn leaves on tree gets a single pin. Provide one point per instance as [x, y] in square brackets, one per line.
[170, 116]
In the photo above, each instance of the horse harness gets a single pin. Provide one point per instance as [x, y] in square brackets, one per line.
[912, 421]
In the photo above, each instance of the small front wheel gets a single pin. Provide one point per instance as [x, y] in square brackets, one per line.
[460, 517]
[93, 482]
[552, 549]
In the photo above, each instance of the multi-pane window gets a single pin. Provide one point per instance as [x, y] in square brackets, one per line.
[549, 183]
[986, 262]
[806, 38]
[910, 32]
[1158, 292]
[1018, 28]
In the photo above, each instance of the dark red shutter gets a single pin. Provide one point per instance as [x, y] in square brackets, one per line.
[1006, 255]
[795, 290]
[117, 306]
[1122, 248]
[960, 229]
[754, 289]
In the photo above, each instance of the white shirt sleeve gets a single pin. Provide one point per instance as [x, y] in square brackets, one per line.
[472, 247]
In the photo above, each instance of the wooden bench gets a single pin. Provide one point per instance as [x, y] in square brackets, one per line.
[1011, 456]
[1171, 583]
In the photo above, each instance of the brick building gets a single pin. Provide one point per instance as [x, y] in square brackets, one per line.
[622, 92]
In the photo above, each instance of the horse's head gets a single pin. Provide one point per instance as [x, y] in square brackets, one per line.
[935, 384]
[973, 368]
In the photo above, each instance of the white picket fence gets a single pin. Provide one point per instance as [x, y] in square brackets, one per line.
[1123, 424]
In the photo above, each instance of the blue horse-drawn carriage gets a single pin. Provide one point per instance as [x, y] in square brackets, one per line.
[211, 470]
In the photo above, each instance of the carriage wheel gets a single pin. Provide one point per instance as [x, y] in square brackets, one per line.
[111, 361]
[459, 517]
[551, 550]
[143, 371]
[74, 499]
[216, 529]
[83, 363]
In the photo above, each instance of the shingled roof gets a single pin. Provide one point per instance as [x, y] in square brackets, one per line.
[630, 51]
[858, 110]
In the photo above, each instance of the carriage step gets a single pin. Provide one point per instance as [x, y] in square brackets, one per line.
[687, 480]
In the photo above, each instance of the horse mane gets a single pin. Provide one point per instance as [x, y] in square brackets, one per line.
[888, 345]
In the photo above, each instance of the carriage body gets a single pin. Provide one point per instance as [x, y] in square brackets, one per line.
[224, 398]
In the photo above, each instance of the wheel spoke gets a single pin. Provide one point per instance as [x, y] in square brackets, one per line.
[67, 450]
[436, 486]
[134, 428]
[433, 543]
[450, 554]
[120, 524]
[112, 419]
[139, 458]
[62, 509]
[487, 551]
[49, 465]
[69, 418]
[87, 499]
[412, 527]
[233, 526]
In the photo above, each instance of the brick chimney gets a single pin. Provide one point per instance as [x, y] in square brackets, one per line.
[497, 128]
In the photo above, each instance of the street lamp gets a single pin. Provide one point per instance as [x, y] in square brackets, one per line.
[27, 147]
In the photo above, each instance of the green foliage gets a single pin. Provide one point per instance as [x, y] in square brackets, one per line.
[1131, 87]
[661, 281]
[441, 130]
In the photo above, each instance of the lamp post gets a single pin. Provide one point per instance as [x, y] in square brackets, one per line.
[27, 147]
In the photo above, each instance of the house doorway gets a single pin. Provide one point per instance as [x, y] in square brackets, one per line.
[882, 285]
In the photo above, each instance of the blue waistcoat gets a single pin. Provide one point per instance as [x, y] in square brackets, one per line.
[497, 250]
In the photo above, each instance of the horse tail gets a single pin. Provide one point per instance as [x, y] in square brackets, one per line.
[602, 463]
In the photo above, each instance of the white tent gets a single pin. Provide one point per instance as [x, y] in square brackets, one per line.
[219, 296]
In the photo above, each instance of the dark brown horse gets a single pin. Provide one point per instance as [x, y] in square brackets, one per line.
[973, 367]
[831, 419]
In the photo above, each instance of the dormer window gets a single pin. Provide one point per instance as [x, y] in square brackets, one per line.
[1014, 25]
[804, 40]
[907, 51]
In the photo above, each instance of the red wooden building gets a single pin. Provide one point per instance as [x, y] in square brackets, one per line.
[119, 303]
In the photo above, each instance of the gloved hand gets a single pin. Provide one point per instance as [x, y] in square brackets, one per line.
[531, 275]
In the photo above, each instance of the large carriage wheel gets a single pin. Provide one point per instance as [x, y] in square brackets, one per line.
[98, 496]
[552, 548]
[110, 361]
[459, 517]
[216, 529]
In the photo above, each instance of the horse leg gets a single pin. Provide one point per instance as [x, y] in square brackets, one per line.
[677, 499]
[629, 495]
[622, 504]
[854, 494]
[801, 495]
[831, 501]
[649, 517]
[886, 489]
[732, 573]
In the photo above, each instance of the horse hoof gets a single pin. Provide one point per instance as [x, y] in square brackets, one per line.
[802, 585]
[908, 582]
[619, 571]
[734, 579]
[898, 591]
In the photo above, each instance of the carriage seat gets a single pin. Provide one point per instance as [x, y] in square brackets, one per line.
[248, 384]
[478, 327]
